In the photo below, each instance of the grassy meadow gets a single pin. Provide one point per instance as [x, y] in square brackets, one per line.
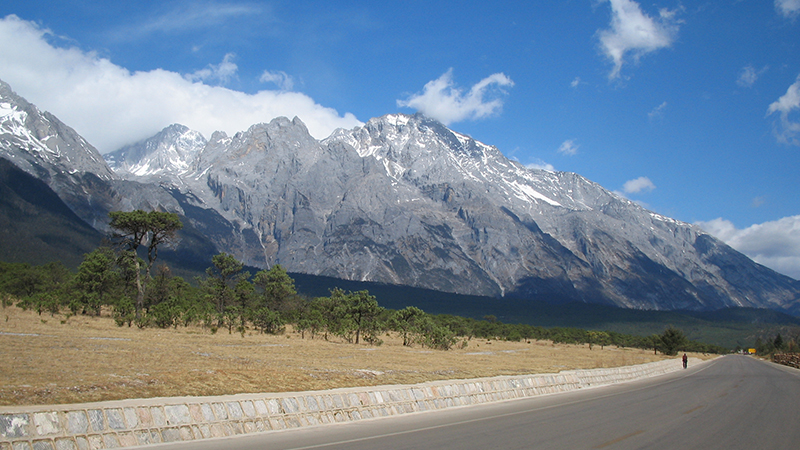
[59, 359]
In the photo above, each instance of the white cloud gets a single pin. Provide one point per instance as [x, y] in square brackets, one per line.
[279, 78]
[658, 111]
[540, 165]
[788, 8]
[787, 127]
[638, 185]
[775, 244]
[634, 32]
[568, 147]
[222, 72]
[443, 101]
[576, 82]
[111, 106]
[749, 75]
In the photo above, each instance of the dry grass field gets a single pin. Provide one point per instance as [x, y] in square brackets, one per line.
[51, 359]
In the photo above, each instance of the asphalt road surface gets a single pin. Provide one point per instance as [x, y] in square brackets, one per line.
[733, 402]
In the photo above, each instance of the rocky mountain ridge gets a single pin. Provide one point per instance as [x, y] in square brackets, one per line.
[166, 155]
[405, 200]
[41, 145]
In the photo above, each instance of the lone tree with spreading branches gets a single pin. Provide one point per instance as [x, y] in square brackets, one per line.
[151, 229]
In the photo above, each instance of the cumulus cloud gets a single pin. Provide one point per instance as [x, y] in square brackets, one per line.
[788, 8]
[638, 185]
[634, 32]
[774, 244]
[787, 127]
[222, 72]
[568, 147]
[440, 99]
[279, 78]
[111, 106]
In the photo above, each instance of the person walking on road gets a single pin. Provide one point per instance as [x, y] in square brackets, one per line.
[685, 360]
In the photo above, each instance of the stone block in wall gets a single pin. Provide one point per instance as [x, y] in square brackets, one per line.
[217, 430]
[115, 420]
[220, 411]
[208, 413]
[186, 433]
[177, 414]
[110, 441]
[204, 430]
[171, 435]
[248, 409]
[159, 418]
[66, 444]
[196, 412]
[46, 423]
[261, 408]
[249, 427]
[311, 403]
[144, 417]
[274, 406]
[143, 437]
[131, 419]
[82, 443]
[97, 420]
[127, 439]
[234, 410]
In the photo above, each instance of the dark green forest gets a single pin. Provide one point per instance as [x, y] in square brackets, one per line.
[227, 297]
[231, 299]
[122, 277]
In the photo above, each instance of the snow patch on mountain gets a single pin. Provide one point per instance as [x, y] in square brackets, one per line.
[170, 153]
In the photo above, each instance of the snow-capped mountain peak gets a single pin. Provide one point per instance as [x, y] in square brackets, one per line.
[168, 153]
[37, 140]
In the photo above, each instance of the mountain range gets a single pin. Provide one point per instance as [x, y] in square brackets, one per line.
[401, 200]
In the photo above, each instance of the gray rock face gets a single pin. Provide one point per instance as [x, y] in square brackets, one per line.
[402, 200]
[43, 146]
[167, 155]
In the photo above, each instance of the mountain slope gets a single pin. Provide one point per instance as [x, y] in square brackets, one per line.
[37, 226]
[44, 147]
[168, 155]
[404, 200]
[401, 200]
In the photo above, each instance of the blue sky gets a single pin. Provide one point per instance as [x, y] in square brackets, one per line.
[690, 108]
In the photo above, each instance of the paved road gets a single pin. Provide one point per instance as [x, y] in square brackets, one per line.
[734, 402]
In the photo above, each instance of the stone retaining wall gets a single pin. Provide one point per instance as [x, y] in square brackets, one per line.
[129, 423]
[787, 359]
